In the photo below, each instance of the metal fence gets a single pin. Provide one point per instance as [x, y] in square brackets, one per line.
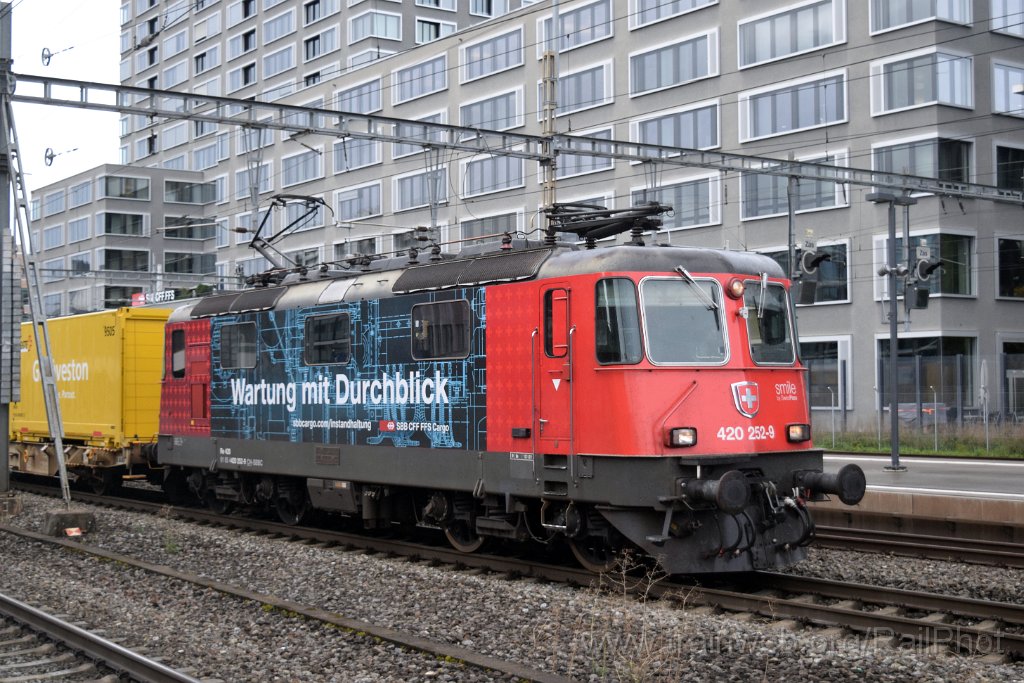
[946, 398]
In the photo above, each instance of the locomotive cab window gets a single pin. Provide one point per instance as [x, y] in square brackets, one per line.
[616, 322]
[440, 330]
[328, 340]
[238, 346]
[683, 321]
[556, 323]
[768, 324]
[178, 354]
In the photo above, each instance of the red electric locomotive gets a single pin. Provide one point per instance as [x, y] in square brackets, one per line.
[627, 397]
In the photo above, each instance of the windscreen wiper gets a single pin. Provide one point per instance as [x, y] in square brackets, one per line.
[701, 294]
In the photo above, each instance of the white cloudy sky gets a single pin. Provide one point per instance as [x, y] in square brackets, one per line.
[84, 36]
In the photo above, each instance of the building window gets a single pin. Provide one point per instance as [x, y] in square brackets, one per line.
[278, 27]
[500, 112]
[53, 305]
[320, 44]
[352, 153]
[579, 26]
[117, 187]
[1010, 168]
[223, 237]
[315, 10]
[53, 203]
[797, 105]
[935, 158]
[241, 77]
[924, 365]
[53, 270]
[358, 202]
[124, 259]
[374, 25]
[327, 340]
[53, 237]
[420, 79]
[1007, 17]
[492, 174]
[242, 43]
[492, 55]
[78, 230]
[922, 79]
[674, 65]
[79, 301]
[693, 128]
[803, 28]
[447, 5]
[824, 360]
[1004, 79]
[889, 14]
[186, 192]
[489, 230]
[193, 264]
[238, 346]
[176, 44]
[488, 8]
[263, 174]
[649, 11]
[414, 191]
[173, 136]
[204, 157]
[279, 61]
[80, 194]
[175, 75]
[204, 61]
[581, 90]
[429, 30]
[956, 277]
[304, 215]
[116, 297]
[301, 168]
[80, 263]
[767, 195]
[694, 202]
[441, 330]
[362, 99]
[1011, 267]
[420, 132]
[133, 224]
[574, 164]
[346, 250]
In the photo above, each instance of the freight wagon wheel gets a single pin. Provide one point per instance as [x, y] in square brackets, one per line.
[217, 505]
[105, 482]
[594, 554]
[462, 537]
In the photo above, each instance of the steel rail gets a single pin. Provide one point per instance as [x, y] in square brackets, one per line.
[93, 646]
[973, 551]
[765, 594]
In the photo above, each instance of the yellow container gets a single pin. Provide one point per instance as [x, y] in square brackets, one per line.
[108, 367]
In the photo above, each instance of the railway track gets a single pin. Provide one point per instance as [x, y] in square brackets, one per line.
[36, 646]
[965, 625]
[993, 553]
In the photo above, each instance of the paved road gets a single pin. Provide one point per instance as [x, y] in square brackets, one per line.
[940, 476]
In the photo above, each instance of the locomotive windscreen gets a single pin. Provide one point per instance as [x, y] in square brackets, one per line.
[679, 325]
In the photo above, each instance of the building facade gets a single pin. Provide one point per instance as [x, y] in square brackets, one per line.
[922, 88]
[113, 232]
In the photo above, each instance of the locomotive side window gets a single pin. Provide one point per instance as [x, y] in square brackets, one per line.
[328, 340]
[556, 323]
[440, 330]
[238, 346]
[617, 322]
[678, 323]
[178, 354]
[768, 324]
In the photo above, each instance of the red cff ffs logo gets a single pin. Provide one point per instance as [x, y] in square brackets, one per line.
[746, 397]
[387, 426]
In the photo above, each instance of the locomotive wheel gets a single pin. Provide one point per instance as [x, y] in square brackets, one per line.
[290, 512]
[462, 537]
[594, 554]
[215, 504]
[105, 482]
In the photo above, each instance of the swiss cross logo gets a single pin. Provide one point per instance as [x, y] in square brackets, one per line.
[747, 399]
[386, 426]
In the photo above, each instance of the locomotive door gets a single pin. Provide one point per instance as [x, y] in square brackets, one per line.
[554, 400]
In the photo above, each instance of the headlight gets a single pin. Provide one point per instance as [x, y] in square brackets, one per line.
[681, 437]
[798, 433]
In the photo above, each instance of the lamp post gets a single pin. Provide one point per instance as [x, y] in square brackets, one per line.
[893, 271]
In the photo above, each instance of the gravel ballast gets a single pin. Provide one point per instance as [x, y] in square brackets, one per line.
[581, 633]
